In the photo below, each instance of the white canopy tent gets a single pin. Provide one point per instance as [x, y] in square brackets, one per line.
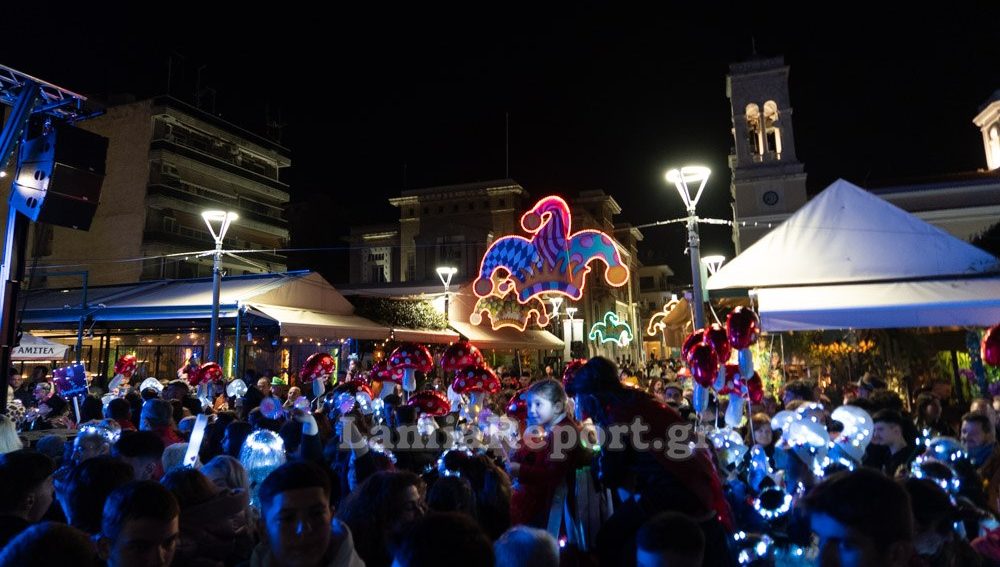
[850, 259]
[38, 348]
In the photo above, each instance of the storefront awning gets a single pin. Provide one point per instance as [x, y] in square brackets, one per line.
[37, 348]
[309, 323]
[507, 337]
[425, 336]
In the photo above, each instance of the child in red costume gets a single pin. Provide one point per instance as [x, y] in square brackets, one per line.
[536, 467]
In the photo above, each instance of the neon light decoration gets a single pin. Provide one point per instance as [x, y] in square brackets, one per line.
[611, 330]
[656, 322]
[552, 261]
[506, 311]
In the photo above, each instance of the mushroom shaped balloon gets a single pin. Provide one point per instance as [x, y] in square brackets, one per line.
[704, 363]
[318, 366]
[124, 368]
[990, 348]
[382, 372]
[430, 402]
[459, 355]
[742, 327]
[207, 373]
[476, 381]
[410, 358]
[345, 397]
[755, 388]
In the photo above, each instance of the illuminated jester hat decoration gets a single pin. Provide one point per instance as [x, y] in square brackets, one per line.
[611, 330]
[552, 260]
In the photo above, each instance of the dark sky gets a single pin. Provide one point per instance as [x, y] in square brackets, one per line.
[599, 97]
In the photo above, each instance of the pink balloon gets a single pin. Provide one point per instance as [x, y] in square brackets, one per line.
[690, 342]
[990, 349]
[704, 364]
[755, 387]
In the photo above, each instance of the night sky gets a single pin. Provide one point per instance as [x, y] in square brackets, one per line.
[599, 97]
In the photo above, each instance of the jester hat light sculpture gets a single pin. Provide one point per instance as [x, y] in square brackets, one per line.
[553, 259]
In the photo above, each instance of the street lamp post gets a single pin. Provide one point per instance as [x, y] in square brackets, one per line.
[713, 263]
[218, 224]
[446, 273]
[681, 178]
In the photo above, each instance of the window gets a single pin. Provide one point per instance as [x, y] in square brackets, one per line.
[169, 224]
[646, 283]
[486, 204]
[409, 213]
[503, 203]
[451, 251]
[427, 210]
[454, 208]
[471, 205]
[440, 209]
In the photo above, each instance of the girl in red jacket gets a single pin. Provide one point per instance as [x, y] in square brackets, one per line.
[542, 464]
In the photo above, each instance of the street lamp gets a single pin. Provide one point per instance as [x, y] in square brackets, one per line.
[218, 224]
[446, 273]
[556, 302]
[713, 263]
[684, 178]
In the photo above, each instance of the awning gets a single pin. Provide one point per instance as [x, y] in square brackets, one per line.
[425, 336]
[37, 348]
[308, 323]
[507, 337]
[939, 303]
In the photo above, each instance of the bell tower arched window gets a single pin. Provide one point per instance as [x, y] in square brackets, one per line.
[755, 136]
[772, 132]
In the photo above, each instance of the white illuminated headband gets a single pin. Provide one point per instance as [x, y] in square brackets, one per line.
[772, 503]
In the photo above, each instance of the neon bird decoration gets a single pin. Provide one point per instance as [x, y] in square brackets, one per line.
[611, 330]
[553, 260]
[656, 322]
[506, 311]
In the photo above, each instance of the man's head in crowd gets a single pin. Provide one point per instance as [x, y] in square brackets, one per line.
[928, 408]
[985, 407]
[264, 385]
[522, 546]
[888, 429]
[175, 390]
[90, 444]
[977, 431]
[50, 543]
[798, 390]
[673, 394]
[156, 414]
[140, 526]
[14, 378]
[868, 384]
[852, 531]
[26, 489]
[88, 486]
[295, 513]
[119, 409]
[143, 451]
[669, 540]
[437, 539]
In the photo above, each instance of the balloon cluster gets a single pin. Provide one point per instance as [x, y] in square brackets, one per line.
[707, 352]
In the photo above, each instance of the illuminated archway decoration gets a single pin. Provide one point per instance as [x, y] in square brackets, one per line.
[656, 322]
[506, 311]
[611, 330]
[552, 261]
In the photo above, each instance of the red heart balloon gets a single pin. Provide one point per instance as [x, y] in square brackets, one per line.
[990, 349]
[691, 340]
[742, 327]
[716, 335]
[704, 364]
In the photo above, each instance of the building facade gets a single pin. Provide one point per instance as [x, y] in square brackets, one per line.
[167, 162]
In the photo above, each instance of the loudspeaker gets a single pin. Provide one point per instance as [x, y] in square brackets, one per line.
[59, 177]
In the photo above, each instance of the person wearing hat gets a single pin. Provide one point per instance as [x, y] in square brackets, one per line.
[868, 384]
[158, 416]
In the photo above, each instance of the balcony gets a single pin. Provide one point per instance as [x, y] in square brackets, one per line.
[168, 187]
[218, 160]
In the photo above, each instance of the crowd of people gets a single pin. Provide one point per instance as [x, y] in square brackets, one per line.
[533, 475]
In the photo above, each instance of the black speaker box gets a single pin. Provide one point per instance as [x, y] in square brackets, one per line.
[59, 177]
